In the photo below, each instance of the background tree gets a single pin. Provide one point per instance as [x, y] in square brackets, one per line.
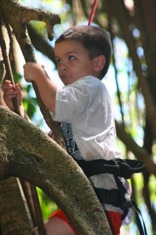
[131, 25]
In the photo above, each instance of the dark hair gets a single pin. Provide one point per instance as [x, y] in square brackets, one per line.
[94, 39]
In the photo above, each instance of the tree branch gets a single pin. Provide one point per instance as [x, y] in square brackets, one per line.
[139, 152]
[9, 12]
[52, 169]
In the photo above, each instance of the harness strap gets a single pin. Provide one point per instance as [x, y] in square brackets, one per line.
[112, 197]
[125, 203]
[118, 167]
[140, 221]
[116, 197]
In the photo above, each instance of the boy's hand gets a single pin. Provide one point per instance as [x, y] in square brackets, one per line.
[33, 71]
[11, 91]
[47, 88]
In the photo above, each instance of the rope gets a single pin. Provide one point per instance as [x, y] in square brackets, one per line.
[93, 12]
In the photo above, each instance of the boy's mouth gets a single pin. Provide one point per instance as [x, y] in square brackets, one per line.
[65, 77]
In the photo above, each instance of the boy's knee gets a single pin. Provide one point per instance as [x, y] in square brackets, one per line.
[56, 226]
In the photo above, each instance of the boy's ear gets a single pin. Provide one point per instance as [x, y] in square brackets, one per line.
[99, 62]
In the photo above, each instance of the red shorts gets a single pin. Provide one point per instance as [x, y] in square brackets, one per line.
[114, 219]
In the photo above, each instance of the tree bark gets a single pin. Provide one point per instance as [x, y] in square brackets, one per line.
[13, 215]
[33, 156]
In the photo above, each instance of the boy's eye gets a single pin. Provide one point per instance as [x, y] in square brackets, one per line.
[58, 61]
[71, 57]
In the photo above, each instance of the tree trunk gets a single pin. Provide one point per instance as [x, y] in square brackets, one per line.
[31, 155]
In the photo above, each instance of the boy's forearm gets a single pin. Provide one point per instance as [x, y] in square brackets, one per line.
[47, 90]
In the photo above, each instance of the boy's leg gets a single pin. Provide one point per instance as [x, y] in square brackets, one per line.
[57, 224]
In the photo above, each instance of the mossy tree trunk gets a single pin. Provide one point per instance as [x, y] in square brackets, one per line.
[32, 155]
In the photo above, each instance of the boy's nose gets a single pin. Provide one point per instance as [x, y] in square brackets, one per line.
[63, 65]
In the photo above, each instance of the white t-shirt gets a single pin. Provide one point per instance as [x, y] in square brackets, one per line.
[86, 105]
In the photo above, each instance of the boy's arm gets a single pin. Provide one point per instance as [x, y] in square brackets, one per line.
[47, 89]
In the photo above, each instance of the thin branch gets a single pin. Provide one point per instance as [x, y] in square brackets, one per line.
[139, 152]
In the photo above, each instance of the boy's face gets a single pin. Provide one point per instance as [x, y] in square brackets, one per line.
[73, 61]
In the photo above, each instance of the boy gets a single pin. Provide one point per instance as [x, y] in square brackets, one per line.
[84, 109]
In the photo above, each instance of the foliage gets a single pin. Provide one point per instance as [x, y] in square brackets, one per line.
[47, 205]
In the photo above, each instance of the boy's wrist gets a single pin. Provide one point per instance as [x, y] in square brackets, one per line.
[39, 75]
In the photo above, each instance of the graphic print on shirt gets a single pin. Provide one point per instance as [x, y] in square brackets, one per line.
[70, 142]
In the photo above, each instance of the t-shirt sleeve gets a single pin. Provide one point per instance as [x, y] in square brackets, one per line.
[71, 101]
